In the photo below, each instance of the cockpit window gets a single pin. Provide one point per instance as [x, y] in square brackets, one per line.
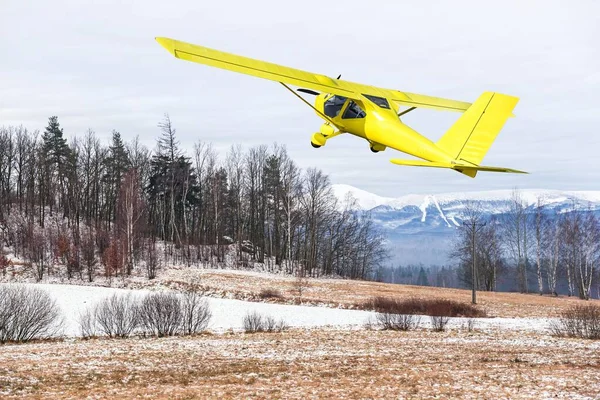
[333, 106]
[353, 111]
[380, 101]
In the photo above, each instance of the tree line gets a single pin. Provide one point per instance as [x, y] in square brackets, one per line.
[84, 208]
[539, 249]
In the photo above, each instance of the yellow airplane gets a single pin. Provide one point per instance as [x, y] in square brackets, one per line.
[374, 114]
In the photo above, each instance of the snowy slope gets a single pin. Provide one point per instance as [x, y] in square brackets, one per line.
[229, 314]
[368, 201]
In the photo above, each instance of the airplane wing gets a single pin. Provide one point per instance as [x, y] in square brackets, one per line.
[296, 77]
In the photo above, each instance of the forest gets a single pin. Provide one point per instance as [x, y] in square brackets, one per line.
[82, 208]
[527, 248]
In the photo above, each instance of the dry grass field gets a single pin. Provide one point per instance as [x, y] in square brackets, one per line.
[352, 293]
[307, 364]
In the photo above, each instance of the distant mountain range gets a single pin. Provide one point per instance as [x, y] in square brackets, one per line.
[420, 228]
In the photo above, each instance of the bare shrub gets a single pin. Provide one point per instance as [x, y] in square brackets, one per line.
[87, 324]
[255, 322]
[438, 323]
[578, 321]
[433, 307]
[116, 316]
[370, 324]
[271, 325]
[270, 294]
[27, 313]
[469, 325]
[301, 283]
[398, 322]
[196, 313]
[152, 260]
[161, 314]
[4, 264]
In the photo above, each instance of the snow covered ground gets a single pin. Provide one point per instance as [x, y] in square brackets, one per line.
[228, 314]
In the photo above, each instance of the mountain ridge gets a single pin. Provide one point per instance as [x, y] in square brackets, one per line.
[421, 228]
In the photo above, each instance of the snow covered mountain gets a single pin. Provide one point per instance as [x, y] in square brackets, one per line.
[420, 228]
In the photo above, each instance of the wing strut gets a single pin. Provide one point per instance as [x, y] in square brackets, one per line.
[406, 111]
[307, 103]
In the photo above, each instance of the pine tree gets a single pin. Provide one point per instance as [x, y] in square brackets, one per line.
[116, 165]
[54, 145]
[422, 279]
[54, 157]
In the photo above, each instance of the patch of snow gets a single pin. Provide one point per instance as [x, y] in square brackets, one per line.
[367, 200]
[441, 212]
[228, 314]
[423, 207]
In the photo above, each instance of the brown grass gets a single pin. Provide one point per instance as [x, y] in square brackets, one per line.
[423, 306]
[306, 364]
[354, 294]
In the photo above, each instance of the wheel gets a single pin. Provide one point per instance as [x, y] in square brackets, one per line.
[316, 146]
[373, 150]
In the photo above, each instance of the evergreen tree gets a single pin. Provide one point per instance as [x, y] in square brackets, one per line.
[54, 145]
[422, 279]
[116, 165]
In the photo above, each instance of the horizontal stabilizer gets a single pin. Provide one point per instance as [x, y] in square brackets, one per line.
[469, 170]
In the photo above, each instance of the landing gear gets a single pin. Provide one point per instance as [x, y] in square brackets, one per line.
[376, 147]
[317, 140]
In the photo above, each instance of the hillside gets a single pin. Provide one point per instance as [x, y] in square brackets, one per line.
[346, 293]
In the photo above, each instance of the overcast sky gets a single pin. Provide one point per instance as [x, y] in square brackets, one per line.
[96, 65]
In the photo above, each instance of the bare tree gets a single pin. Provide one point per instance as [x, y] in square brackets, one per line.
[553, 247]
[88, 252]
[515, 235]
[130, 212]
[540, 240]
[152, 259]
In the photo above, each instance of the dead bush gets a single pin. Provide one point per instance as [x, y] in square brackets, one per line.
[87, 324]
[115, 316]
[196, 313]
[420, 306]
[398, 322]
[469, 325]
[579, 322]
[26, 314]
[255, 322]
[270, 294]
[438, 323]
[161, 314]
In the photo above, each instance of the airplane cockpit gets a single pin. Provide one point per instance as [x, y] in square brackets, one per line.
[334, 105]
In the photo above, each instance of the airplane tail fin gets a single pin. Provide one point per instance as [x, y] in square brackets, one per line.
[470, 138]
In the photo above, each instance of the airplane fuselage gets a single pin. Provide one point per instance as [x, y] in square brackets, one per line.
[377, 121]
